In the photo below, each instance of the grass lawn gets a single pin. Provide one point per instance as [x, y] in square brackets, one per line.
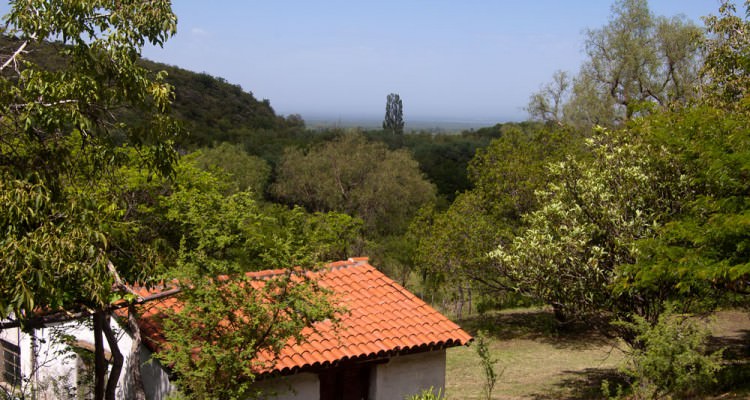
[542, 363]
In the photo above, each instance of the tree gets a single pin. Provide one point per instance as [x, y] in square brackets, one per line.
[701, 251]
[246, 171]
[203, 230]
[547, 104]
[65, 244]
[232, 321]
[591, 216]
[394, 114]
[382, 187]
[636, 63]
[506, 173]
[452, 247]
[638, 59]
[727, 65]
[203, 226]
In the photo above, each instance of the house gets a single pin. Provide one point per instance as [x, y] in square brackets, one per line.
[390, 344]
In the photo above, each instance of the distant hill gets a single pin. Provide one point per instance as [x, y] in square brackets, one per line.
[215, 110]
[211, 109]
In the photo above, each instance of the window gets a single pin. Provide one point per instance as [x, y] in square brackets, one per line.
[10, 363]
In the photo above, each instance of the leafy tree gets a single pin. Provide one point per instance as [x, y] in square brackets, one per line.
[443, 158]
[247, 172]
[701, 250]
[508, 171]
[384, 188]
[232, 322]
[205, 229]
[65, 242]
[727, 64]
[638, 59]
[452, 247]
[591, 215]
[547, 104]
[394, 114]
[636, 63]
[209, 231]
[706, 244]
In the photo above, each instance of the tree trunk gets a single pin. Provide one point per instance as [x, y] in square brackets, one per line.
[460, 302]
[134, 363]
[34, 367]
[117, 360]
[100, 361]
[559, 313]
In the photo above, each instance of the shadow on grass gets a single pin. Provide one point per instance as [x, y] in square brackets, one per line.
[585, 384]
[735, 376]
[535, 324]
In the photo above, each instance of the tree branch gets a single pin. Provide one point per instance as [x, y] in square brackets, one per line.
[66, 315]
[13, 57]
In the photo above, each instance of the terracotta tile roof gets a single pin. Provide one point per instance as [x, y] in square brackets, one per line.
[383, 319]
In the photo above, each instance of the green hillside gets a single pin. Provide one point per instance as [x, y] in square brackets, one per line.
[211, 109]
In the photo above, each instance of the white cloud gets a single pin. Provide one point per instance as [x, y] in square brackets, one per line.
[199, 32]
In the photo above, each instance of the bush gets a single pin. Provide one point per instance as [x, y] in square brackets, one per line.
[671, 359]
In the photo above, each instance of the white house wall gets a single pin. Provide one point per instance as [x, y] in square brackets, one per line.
[406, 375]
[56, 363]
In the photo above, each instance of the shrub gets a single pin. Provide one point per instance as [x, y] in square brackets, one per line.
[428, 394]
[671, 359]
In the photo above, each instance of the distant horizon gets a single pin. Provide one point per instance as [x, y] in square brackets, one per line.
[411, 123]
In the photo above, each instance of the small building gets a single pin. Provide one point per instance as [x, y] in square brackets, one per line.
[390, 344]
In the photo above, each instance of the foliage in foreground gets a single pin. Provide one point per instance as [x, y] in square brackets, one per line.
[428, 394]
[232, 322]
[67, 245]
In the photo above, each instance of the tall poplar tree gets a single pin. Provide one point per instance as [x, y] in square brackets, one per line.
[394, 114]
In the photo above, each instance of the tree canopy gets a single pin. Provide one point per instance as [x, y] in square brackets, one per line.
[382, 187]
[635, 63]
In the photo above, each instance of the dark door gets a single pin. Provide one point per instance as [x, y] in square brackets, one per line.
[351, 382]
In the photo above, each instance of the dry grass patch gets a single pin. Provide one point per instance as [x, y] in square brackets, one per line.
[543, 363]
[539, 361]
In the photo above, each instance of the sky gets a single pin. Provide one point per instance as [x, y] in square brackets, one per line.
[449, 60]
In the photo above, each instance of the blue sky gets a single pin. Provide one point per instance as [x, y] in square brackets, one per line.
[449, 60]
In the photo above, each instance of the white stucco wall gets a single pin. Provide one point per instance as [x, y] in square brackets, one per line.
[304, 386]
[406, 375]
[395, 379]
[56, 363]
